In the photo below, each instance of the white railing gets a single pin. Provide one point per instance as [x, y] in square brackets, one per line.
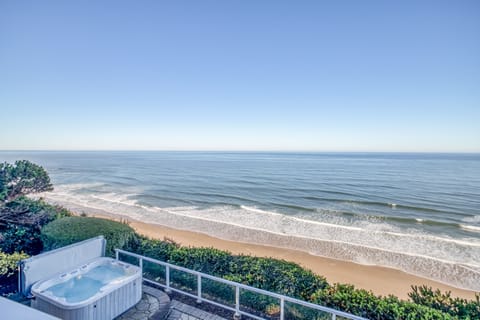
[237, 311]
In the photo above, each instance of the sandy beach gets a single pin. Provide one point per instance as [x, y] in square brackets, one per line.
[380, 280]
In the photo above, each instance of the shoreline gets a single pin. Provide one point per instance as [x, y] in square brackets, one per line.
[380, 280]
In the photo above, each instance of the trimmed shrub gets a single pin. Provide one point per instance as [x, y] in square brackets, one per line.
[69, 230]
[281, 276]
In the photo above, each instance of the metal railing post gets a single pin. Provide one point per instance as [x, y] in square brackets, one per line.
[167, 279]
[116, 254]
[237, 314]
[334, 316]
[199, 288]
[282, 308]
[140, 264]
[20, 277]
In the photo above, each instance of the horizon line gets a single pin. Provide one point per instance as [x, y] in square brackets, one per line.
[237, 151]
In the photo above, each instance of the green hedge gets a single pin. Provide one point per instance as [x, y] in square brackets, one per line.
[69, 230]
[265, 273]
[366, 304]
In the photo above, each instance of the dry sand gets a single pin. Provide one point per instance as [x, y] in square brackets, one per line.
[380, 280]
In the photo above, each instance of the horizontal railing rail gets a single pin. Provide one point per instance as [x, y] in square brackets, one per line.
[237, 311]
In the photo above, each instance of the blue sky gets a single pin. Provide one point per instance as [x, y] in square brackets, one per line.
[240, 75]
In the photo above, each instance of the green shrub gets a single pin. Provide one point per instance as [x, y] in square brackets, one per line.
[269, 274]
[21, 238]
[265, 273]
[365, 304]
[8, 263]
[459, 307]
[8, 272]
[157, 249]
[69, 230]
[280, 276]
[206, 260]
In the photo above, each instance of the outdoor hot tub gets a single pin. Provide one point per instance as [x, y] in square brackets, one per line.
[102, 288]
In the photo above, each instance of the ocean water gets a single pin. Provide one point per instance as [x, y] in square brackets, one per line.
[419, 213]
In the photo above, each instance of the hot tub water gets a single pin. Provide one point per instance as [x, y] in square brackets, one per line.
[83, 286]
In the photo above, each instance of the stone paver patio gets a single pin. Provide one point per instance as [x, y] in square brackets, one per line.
[156, 305]
[181, 311]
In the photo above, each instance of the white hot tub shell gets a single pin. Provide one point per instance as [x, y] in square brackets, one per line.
[106, 302]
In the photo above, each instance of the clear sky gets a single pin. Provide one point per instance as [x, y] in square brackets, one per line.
[240, 75]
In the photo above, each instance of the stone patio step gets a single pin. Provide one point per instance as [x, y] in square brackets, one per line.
[182, 311]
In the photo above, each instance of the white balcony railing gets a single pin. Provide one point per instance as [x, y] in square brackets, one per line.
[200, 297]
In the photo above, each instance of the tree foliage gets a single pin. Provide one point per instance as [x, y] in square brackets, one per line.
[22, 177]
[28, 212]
[21, 221]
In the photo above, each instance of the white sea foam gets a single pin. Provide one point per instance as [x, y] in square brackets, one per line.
[470, 228]
[62, 188]
[474, 219]
[471, 220]
[452, 261]
[117, 198]
[253, 209]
